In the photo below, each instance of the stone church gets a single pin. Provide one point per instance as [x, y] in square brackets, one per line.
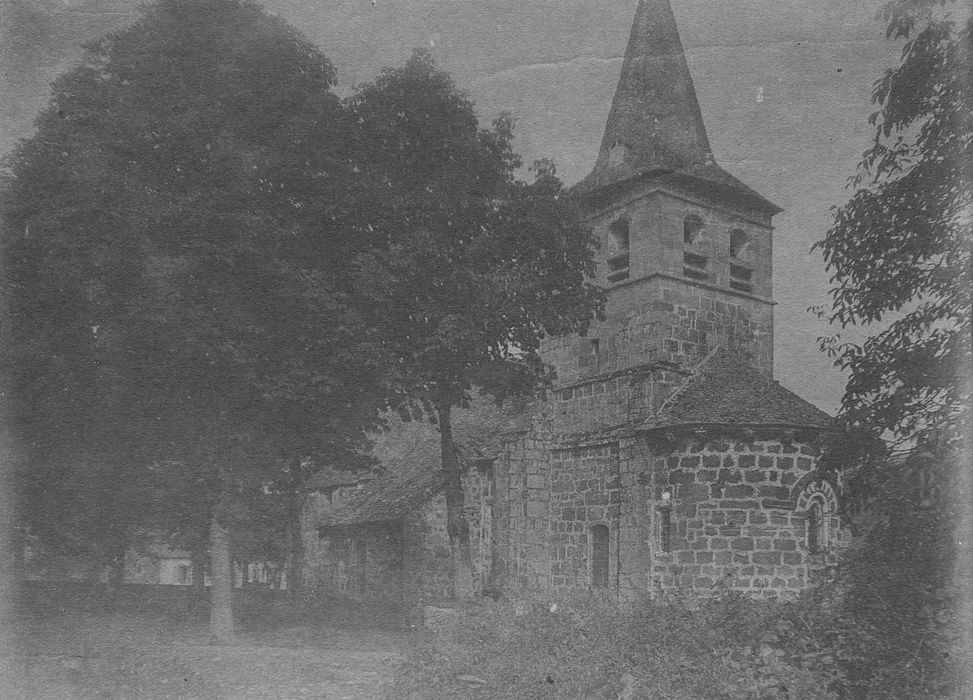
[666, 459]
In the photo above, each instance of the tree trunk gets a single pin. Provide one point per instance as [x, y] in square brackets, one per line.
[295, 576]
[456, 525]
[221, 574]
[197, 599]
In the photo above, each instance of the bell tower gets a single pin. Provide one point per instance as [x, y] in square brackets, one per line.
[686, 248]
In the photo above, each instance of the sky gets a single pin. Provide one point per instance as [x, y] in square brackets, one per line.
[784, 87]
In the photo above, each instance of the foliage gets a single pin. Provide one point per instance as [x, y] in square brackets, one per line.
[173, 312]
[588, 646]
[900, 256]
[470, 268]
[901, 248]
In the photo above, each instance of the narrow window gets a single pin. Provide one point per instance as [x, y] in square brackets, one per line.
[618, 257]
[599, 556]
[738, 242]
[817, 536]
[595, 347]
[665, 528]
[691, 226]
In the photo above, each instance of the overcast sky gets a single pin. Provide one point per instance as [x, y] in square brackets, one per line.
[784, 88]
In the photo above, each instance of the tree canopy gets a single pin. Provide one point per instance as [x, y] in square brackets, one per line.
[900, 250]
[174, 251]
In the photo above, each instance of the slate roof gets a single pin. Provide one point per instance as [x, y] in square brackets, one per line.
[411, 462]
[398, 491]
[727, 391]
[655, 117]
[329, 479]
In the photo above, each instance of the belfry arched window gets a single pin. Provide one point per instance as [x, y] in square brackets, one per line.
[738, 242]
[618, 240]
[691, 227]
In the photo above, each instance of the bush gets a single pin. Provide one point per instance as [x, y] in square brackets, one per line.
[590, 647]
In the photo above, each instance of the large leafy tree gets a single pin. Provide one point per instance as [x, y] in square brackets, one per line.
[900, 249]
[468, 267]
[171, 237]
[900, 256]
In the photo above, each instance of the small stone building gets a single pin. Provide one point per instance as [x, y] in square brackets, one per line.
[666, 459]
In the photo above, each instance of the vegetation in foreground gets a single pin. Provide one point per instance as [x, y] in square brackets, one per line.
[729, 647]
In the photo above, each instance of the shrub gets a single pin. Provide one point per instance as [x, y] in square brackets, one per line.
[590, 647]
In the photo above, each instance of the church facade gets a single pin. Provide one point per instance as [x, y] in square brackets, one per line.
[666, 459]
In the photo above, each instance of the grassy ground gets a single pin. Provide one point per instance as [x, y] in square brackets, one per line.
[62, 652]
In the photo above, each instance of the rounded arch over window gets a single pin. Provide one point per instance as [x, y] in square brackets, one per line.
[738, 242]
[692, 225]
[819, 503]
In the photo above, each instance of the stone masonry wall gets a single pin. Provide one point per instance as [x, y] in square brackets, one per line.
[607, 402]
[522, 533]
[585, 492]
[730, 524]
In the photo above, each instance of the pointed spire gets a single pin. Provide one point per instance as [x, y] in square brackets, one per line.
[655, 123]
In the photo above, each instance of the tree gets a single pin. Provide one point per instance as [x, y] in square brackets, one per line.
[901, 247]
[467, 267]
[174, 277]
[900, 256]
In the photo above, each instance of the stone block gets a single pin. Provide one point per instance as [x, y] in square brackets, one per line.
[742, 543]
[741, 505]
[536, 509]
[536, 481]
[704, 557]
[730, 476]
[754, 475]
[694, 492]
[780, 493]
[738, 491]
[689, 462]
[758, 518]
[766, 462]
[723, 557]
[718, 543]
[792, 557]
[785, 545]
[706, 475]
[711, 461]
[746, 461]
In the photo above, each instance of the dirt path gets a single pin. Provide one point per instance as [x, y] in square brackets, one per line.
[276, 672]
[79, 657]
